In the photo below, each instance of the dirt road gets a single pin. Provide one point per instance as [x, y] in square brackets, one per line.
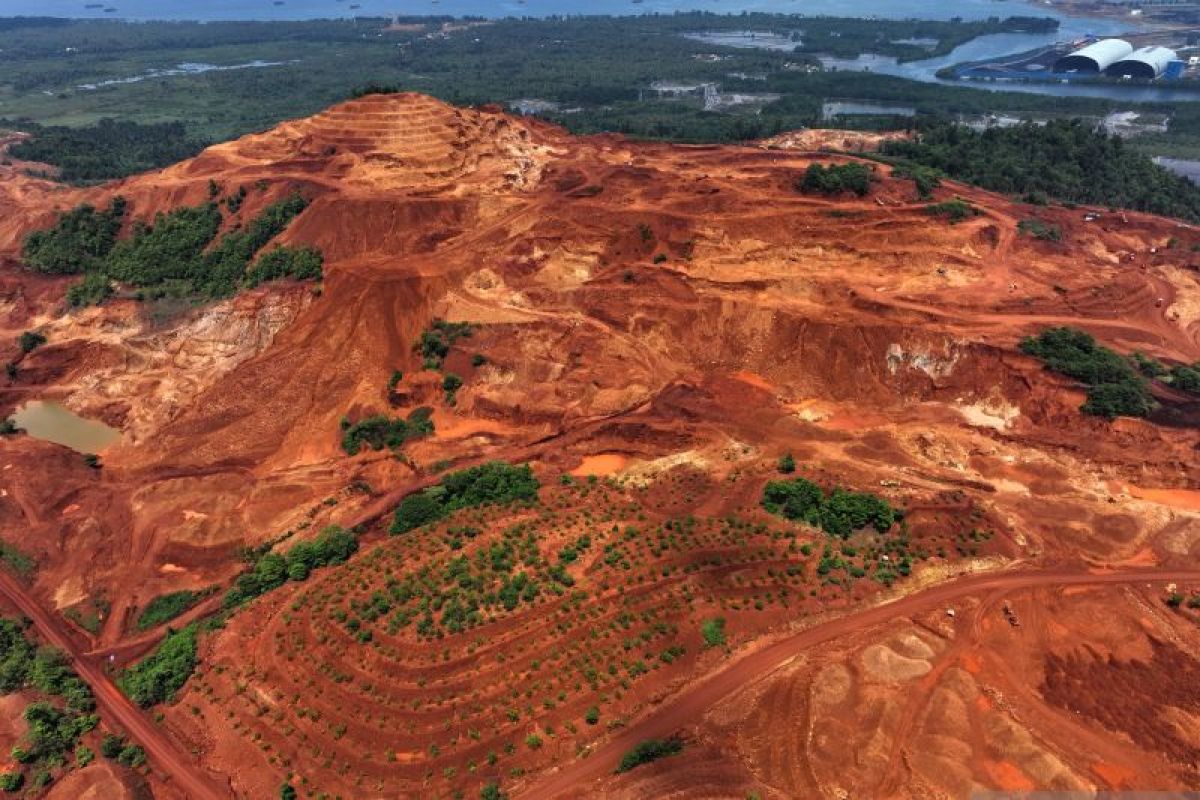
[574, 779]
[113, 706]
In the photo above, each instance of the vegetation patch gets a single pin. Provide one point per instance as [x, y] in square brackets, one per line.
[30, 341]
[1114, 387]
[380, 431]
[837, 179]
[713, 632]
[172, 256]
[648, 750]
[1068, 160]
[955, 211]
[12, 557]
[435, 342]
[55, 724]
[1040, 230]
[838, 513]
[167, 607]
[156, 678]
[334, 545]
[495, 483]
[109, 149]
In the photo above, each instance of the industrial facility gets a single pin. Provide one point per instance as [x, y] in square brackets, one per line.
[1146, 63]
[1096, 57]
[1117, 58]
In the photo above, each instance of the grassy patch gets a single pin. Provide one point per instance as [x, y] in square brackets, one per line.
[167, 607]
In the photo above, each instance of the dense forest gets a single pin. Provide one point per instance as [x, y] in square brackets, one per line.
[1064, 159]
[107, 150]
[597, 68]
[596, 72]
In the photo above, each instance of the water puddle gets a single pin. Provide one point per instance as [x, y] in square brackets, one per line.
[53, 422]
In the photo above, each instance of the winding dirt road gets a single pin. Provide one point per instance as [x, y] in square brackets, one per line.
[575, 779]
[112, 704]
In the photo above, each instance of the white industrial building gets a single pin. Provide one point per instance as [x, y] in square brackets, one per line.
[1147, 63]
[1096, 57]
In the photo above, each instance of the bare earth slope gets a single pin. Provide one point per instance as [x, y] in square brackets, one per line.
[673, 319]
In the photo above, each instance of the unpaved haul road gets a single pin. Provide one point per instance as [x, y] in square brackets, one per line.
[575, 779]
[112, 704]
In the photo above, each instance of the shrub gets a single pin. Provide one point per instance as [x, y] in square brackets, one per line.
[787, 464]
[592, 715]
[491, 791]
[648, 750]
[131, 756]
[30, 341]
[173, 256]
[713, 631]
[11, 781]
[955, 211]
[836, 179]
[1186, 378]
[111, 745]
[925, 179]
[1040, 230]
[287, 792]
[93, 290]
[334, 545]
[436, 341]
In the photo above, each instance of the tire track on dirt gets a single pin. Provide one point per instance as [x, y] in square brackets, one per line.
[690, 704]
[112, 704]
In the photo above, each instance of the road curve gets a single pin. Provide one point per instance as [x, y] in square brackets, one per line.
[113, 705]
[574, 779]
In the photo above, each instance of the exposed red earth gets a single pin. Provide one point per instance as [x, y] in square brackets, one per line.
[662, 322]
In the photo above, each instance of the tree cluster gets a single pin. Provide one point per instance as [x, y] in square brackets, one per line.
[380, 431]
[494, 483]
[1114, 387]
[334, 545]
[1068, 160]
[838, 513]
[109, 149]
[837, 178]
[157, 677]
[174, 254]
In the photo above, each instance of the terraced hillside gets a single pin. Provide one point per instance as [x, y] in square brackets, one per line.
[825, 418]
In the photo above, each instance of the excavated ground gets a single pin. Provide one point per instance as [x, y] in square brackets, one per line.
[646, 312]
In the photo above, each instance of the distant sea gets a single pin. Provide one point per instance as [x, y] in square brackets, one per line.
[318, 9]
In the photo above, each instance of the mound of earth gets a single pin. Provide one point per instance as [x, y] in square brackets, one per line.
[664, 322]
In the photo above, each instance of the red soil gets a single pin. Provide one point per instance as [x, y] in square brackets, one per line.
[672, 319]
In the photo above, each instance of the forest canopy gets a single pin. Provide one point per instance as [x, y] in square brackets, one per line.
[1064, 159]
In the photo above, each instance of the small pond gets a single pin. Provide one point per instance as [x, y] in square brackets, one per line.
[54, 422]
